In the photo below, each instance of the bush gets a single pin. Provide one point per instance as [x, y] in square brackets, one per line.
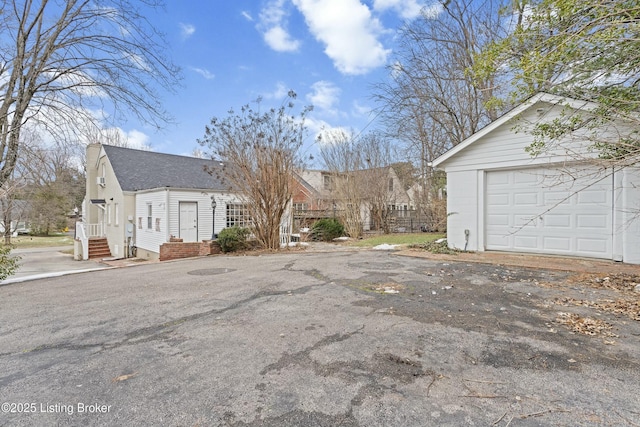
[233, 238]
[8, 263]
[326, 230]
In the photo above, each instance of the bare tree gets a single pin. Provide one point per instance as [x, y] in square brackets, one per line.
[62, 61]
[260, 152]
[54, 185]
[13, 209]
[341, 157]
[360, 173]
[432, 101]
[378, 156]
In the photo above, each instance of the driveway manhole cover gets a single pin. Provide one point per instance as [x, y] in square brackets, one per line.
[376, 265]
[211, 271]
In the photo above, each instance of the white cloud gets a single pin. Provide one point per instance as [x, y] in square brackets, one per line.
[136, 139]
[324, 95]
[333, 135]
[348, 31]
[187, 30]
[408, 9]
[247, 16]
[204, 73]
[278, 93]
[280, 40]
[273, 22]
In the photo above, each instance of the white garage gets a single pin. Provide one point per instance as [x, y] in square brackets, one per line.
[502, 199]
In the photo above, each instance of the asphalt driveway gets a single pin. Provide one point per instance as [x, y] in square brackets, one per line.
[319, 339]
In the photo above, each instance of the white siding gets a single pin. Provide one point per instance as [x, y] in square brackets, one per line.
[629, 227]
[505, 148]
[151, 239]
[205, 217]
[166, 208]
[462, 205]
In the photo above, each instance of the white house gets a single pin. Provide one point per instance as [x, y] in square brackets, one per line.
[502, 198]
[141, 199]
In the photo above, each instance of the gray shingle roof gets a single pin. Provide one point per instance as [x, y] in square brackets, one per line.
[145, 170]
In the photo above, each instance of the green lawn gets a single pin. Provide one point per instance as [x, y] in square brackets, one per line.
[24, 242]
[396, 239]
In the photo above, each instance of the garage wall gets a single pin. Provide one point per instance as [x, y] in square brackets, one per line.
[462, 209]
[629, 227]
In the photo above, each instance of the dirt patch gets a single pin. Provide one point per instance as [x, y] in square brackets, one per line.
[583, 265]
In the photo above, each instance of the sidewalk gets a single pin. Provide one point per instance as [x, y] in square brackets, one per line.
[38, 263]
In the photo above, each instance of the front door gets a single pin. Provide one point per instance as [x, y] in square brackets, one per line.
[189, 221]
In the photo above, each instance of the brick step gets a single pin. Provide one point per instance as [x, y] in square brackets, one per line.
[99, 248]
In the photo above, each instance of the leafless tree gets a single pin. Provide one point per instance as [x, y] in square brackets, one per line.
[54, 185]
[260, 151]
[341, 157]
[62, 61]
[432, 101]
[360, 171]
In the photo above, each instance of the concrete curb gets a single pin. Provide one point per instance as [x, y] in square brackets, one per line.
[49, 275]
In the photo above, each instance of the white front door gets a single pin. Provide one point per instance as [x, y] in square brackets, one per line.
[189, 221]
[546, 211]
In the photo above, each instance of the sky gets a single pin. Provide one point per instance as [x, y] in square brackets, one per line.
[330, 52]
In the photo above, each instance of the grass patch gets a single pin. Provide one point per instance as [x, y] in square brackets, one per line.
[26, 242]
[397, 239]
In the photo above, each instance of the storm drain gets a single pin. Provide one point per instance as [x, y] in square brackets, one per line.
[211, 271]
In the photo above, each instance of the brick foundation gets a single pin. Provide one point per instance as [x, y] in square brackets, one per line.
[177, 250]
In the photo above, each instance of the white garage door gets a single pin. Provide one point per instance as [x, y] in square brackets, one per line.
[545, 211]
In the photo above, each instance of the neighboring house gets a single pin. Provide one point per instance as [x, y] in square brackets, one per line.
[315, 191]
[17, 212]
[143, 198]
[501, 198]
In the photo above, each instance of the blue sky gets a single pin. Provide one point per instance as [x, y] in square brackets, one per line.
[330, 52]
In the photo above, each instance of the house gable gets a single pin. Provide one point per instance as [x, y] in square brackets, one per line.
[503, 143]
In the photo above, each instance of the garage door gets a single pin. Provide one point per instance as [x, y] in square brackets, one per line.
[546, 211]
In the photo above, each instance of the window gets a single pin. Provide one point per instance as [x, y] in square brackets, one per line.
[390, 184]
[237, 214]
[300, 207]
[326, 179]
[109, 213]
[149, 216]
[116, 209]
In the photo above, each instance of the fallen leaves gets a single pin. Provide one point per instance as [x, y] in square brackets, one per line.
[625, 307]
[585, 325]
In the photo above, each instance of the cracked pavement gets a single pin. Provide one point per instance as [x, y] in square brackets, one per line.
[309, 339]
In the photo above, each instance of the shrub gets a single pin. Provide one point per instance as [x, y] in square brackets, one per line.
[326, 229]
[8, 263]
[233, 238]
